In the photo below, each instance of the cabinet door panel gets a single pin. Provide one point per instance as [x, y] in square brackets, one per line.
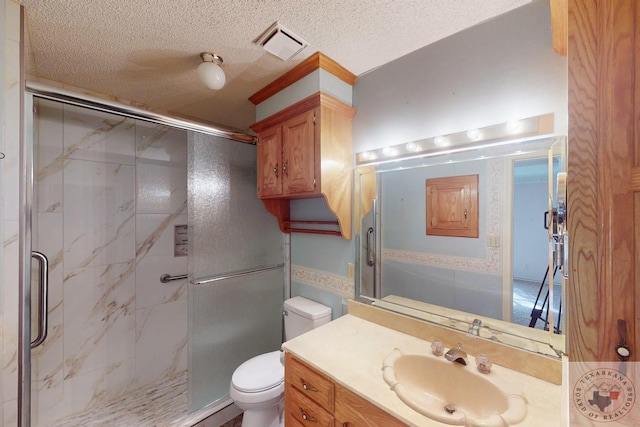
[298, 145]
[270, 162]
[452, 206]
[354, 411]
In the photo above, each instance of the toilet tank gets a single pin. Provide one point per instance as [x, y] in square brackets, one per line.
[302, 315]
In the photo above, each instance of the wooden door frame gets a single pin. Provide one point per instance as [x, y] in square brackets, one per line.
[604, 176]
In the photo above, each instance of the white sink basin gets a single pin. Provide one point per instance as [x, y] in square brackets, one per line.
[452, 393]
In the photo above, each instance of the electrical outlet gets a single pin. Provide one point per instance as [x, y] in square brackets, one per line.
[493, 241]
[351, 270]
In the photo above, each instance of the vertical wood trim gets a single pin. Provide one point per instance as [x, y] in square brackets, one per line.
[636, 171]
[601, 201]
[582, 338]
[559, 11]
[616, 99]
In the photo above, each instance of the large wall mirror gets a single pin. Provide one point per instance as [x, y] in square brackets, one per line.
[506, 284]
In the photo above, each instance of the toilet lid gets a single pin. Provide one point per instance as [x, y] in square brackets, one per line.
[259, 373]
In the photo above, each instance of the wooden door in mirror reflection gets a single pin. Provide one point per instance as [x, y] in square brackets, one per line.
[604, 176]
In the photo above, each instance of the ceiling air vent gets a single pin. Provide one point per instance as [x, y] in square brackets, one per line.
[281, 42]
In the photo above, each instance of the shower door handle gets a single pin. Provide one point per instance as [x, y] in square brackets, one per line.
[370, 253]
[43, 298]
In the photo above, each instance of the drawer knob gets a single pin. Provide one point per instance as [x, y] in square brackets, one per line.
[307, 387]
[307, 417]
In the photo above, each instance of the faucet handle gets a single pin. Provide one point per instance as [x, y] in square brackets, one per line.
[483, 363]
[437, 347]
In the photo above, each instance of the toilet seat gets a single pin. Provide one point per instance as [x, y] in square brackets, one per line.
[258, 374]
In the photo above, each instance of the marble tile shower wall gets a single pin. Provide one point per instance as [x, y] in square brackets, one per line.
[109, 191]
[9, 191]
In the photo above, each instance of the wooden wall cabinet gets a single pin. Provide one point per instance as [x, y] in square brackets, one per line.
[311, 398]
[452, 206]
[305, 151]
[286, 158]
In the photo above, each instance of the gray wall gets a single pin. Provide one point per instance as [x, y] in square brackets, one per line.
[449, 274]
[530, 239]
[499, 70]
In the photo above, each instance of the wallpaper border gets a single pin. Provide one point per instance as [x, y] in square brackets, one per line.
[337, 284]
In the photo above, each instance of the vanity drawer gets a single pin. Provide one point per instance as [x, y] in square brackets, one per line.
[309, 382]
[352, 410]
[302, 411]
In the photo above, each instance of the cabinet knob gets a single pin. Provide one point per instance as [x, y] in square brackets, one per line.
[306, 417]
[307, 387]
[284, 168]
[275, 170]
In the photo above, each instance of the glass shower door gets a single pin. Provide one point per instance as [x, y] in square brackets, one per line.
[232, 317]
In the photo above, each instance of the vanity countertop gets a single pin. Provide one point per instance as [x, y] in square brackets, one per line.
[351, 350]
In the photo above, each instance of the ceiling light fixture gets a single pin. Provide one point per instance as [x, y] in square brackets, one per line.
[210, 72]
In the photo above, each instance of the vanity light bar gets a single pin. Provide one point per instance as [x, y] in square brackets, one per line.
[503, 133]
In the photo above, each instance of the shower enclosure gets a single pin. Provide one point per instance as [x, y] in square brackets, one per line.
[117, 203]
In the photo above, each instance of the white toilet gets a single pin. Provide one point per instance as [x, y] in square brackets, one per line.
[257, 386]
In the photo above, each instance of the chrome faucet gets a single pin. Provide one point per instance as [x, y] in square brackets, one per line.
[456, 355]
[474, 328]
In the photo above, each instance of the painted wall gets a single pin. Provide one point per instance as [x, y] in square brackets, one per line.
[455, 272]
[531, 245]
[499, 70]
[319, 269]
[108, 191]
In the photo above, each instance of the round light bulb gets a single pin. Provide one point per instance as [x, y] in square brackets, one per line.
[473, 134]
[389, 151]
[412, 146]
[514, 126]
[211, 75]
[440, 141]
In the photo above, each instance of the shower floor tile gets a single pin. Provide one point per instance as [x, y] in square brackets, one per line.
[163, 404]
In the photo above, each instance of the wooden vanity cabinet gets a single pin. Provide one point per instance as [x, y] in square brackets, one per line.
[311, 398]
[354, 411]
[304, 151]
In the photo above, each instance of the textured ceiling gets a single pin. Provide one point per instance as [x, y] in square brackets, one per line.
[147, 51]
